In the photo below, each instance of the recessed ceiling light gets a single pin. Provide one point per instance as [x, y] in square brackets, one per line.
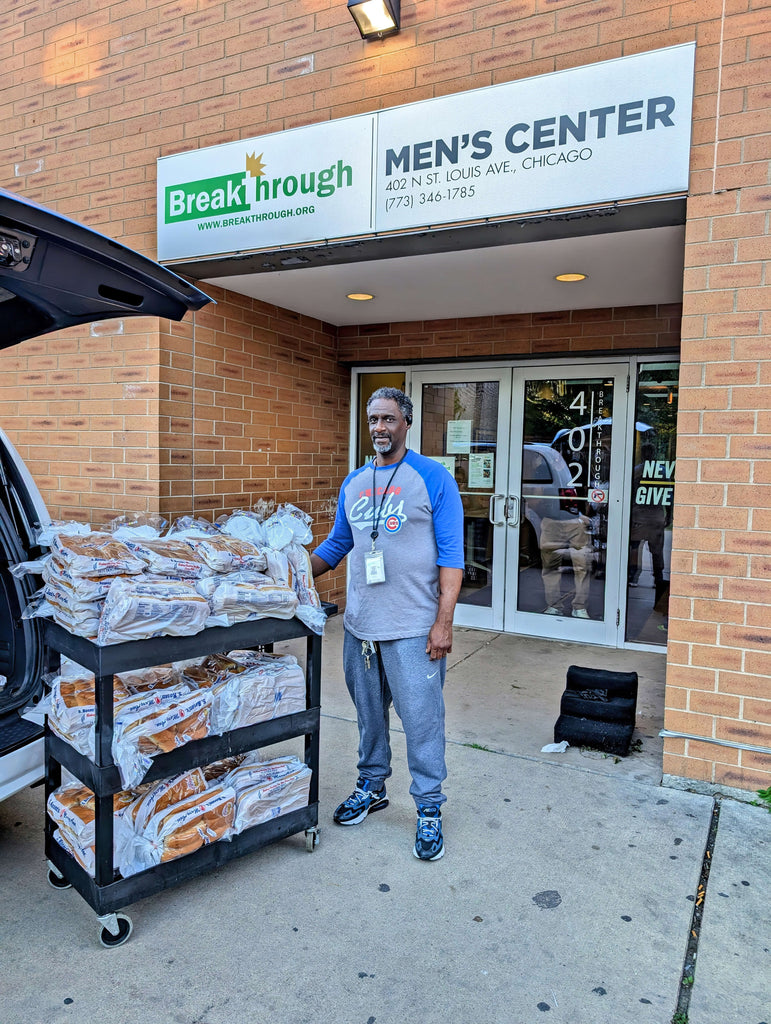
[570, 277]
[360, 296]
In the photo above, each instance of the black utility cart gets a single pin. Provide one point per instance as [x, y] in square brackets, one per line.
[105, 892]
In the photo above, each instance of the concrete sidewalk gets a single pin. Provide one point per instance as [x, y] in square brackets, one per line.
[566, 894]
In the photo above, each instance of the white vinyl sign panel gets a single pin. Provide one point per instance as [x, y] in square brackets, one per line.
[615, 130]
[306, 184]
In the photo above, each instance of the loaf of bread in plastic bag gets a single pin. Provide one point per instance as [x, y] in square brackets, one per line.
[179, 829]
[136, 610]
[169, 557]
[138, 681]
[157, 796]
[164, 721]
[238, 602]
[94, 554]
[72, 712]
[273, 685]
[226, 554]
[169, 725]
[73, 805]
[268, 789]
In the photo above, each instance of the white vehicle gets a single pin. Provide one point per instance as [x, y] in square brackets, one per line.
[54, 273]
[548, 491]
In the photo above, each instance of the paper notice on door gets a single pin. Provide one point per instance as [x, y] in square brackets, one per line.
[448, 461]
[481, 471]
[458, 437]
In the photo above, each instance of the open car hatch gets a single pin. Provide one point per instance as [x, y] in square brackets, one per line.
[56, 273]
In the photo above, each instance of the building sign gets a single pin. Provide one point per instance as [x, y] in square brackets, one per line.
[615, 130]
[277, 190]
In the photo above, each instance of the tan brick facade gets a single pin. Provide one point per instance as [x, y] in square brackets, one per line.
[250, 400]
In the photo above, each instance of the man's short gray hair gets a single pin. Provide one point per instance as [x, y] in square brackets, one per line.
[395, 395]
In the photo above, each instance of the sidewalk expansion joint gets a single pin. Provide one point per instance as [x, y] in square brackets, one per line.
[687, 978]
[472, 654]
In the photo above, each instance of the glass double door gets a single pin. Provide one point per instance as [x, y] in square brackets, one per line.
[538, 455]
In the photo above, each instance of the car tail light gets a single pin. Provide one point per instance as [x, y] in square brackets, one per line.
[569, 500]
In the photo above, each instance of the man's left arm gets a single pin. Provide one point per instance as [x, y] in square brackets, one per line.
[440, 635]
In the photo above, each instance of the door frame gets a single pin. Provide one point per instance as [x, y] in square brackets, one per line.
[604, 631]
[476, 616]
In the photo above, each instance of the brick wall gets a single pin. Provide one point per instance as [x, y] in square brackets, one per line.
[83, 413]
[253, 403]
[719, 665]
[581, 331]
[93, 96]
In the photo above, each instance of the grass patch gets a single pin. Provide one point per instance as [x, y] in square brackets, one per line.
[765, 799]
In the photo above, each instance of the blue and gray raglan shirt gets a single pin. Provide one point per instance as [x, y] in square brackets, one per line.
[420, 528]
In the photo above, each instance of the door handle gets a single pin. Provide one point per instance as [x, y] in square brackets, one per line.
[512, 520]
[491, 509]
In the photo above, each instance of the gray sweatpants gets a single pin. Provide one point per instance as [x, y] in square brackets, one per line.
[400, 672]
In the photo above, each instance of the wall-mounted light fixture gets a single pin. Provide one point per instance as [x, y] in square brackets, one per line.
[376, 19]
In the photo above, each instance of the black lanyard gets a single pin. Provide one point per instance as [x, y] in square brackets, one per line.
[377, 509]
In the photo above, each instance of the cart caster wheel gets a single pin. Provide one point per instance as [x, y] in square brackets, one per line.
[311, 839]
[125, 928]
[56, 881]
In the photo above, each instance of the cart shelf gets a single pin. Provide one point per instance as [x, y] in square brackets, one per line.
[106, 892]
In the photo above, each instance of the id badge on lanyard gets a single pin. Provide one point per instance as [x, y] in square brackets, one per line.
[374, 561]
[374, 566]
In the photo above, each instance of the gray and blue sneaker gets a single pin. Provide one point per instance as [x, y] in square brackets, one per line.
[429, 844]
[367, 797]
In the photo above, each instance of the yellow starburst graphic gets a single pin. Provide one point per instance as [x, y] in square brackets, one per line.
[254, 165]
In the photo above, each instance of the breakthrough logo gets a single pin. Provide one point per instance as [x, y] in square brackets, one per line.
[209, 197]
[232, 195]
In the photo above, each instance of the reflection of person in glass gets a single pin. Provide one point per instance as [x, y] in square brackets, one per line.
[566, 529]
[648, 521]
[477, 530]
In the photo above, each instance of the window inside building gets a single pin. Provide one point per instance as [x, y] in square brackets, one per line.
[652, 504]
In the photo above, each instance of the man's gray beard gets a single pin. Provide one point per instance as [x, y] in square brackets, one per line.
[381, 450]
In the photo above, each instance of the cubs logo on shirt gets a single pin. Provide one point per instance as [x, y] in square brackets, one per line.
[362, 513]
[392, 524]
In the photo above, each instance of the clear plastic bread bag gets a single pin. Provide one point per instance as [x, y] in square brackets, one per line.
[94, 554]
[180, 829]
[244, 525]
[145, 608]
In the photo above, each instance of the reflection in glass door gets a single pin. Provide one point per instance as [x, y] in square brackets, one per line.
[538, 455]
[562, 507]
[462, 420]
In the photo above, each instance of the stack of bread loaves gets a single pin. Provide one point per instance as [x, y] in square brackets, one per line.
[72, 807]
[160, 821]
[156, 710]
[134, 584]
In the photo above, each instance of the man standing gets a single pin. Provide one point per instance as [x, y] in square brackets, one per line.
[401, 519]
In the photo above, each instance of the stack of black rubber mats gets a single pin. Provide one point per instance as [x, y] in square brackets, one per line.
[598, 710]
